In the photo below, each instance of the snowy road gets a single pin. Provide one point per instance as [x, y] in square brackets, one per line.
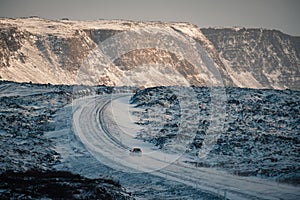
[104, 125]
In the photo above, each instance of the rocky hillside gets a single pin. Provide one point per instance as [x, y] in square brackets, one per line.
[145, 54]
[267, 58]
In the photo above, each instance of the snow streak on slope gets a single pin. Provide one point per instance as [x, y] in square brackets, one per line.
[70, 52]
[268, 58]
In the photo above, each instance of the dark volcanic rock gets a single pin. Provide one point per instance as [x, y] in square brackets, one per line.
[27, 156]
[10, 42]
[57, 185]
[260, 134]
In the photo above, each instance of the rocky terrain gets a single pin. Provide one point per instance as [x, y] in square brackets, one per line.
[57, 185]
[145, 54]
[270, 55]
[178, 72]
[27, 156]
[259, 135]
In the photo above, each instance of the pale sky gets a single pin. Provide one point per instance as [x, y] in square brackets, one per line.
[283, 15]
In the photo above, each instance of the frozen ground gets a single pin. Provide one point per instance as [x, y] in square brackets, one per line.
[92, 150]
[95, 125]
[89, 130]
[259, 135]
[27, 155]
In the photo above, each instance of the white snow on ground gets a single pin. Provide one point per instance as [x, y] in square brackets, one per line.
[96, 131]
[10, 90]
[111, 145]
[75, 157]
[152, 158]
[94, 125]
[122, 113]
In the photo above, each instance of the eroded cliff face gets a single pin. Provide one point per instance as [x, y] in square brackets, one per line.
[115, 52]
[267, 58]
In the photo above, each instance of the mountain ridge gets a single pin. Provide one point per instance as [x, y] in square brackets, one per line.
[72, 52]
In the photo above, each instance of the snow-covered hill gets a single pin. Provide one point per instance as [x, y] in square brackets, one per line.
[116, 52]
[266, 58]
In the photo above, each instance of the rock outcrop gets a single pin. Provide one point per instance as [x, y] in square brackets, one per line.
[145, 54]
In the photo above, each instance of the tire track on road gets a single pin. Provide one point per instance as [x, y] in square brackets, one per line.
[99, 138]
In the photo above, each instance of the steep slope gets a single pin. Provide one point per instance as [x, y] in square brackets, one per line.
[116, 52]
[267, 58]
